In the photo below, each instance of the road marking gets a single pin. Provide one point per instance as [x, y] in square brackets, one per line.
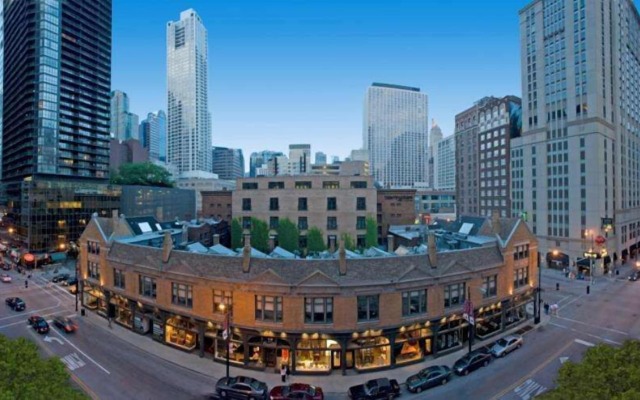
[50, 339]
[580, 341]
[595, 326]
[30, 311]
[612, 342]
[527, 389]
[73, 361]
[586, 334]
[82, 352]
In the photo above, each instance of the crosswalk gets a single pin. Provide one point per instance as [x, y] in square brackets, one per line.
[529, 389]
[73, 361]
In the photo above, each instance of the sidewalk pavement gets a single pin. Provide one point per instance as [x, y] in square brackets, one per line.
[333, 384]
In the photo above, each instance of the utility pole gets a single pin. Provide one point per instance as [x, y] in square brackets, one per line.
[538, 294]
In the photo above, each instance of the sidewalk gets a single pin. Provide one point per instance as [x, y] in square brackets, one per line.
[333, 385]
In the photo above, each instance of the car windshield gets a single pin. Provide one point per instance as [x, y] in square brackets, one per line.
[371, 385]
[41, 323]
[256, 384]
[501, 342]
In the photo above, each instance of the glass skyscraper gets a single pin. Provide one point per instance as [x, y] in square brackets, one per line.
[153, 134]
[124, 124]
[395, 132]
[189, 121]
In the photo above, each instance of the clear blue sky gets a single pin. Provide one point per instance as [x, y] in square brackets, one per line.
[296, 71]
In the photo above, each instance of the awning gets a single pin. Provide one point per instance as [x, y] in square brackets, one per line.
[55, 257]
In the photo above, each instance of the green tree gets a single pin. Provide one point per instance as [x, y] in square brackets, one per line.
[371, 238]
[24, 375]
[288, 235]
[605, 372]
[143, 174]
[236, 233]
[315, 240]
[259, 235]
[349, 244]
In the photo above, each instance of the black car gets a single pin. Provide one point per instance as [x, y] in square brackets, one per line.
[472, 361]
[16, 303]
[60, 278]
[39, 324]
[242, 387]
[428, 378]
[70, 282]
[374, 389]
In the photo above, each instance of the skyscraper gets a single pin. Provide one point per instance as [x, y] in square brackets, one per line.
[299, 159]
[153, 135]
[258, 161]
[124, 124]
[189, 121]
[435, 136]
[227, 163]
[575, 168]
[321, 158]
[395, 132]
[445, 164]
[1, 76]
[57, 78]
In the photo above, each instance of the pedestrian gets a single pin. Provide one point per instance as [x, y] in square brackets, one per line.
[109, 319]
[288, 372]
[283, 373]
[26, 284]
[546, 308]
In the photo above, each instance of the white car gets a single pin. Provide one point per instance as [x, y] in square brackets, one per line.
[5, 278]
[506, 345]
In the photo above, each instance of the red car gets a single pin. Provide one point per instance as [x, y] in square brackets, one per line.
[296, 391]
[65, 324]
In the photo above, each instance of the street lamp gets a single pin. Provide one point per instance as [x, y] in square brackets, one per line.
[591, 255]
[537, 298]
[226, 331]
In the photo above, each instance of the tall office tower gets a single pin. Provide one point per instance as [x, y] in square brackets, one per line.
[259, 161]
[189, 121]
[299, 159]
[435, 136]
[395, 131]
[153, 135]
[57, 78]
[124, 124]
[445, 164]
[321, 158]
[227, 163]
[575, 168]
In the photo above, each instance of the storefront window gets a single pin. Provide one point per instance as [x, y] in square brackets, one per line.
[181, 332]
[451, 334]
[488, 320]
[413, 344]
[268, 352]
[372, 352]
[123, 310]
[315, 354]
[516, 314]
[236, 348]
[93, 298]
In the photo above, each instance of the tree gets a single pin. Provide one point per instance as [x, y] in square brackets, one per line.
[143, 174]
[288, 235]
[315, 240]
[236, 234]
[371, 238]
[24, 375]
[605, 372]
[259, 235]
[349, 244]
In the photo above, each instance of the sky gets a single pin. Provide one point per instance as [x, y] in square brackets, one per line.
[296, 71]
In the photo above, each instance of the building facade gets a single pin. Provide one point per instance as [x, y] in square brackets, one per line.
[189, 121]
[165, 204]
[435, 136]
[258, 161]
[217, 204]
[299, 159]
[393, 311]
[395, 207]
[227, 163]
[321, 158]
[201, 185]
[445, 164]
[124, 123]
[432, 204]
[395, 132]
[125, 152]
[153, 135]
[575, 168]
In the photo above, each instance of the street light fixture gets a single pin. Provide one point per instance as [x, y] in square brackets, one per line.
[591, 255]
[226, 331]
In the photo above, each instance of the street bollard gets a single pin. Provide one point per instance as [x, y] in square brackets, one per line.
[588, 289]
[557, 286]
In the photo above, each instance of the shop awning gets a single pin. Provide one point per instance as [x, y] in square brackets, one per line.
[57, 257]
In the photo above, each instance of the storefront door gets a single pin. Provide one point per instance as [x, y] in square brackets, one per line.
[270, 357]
[335, 359]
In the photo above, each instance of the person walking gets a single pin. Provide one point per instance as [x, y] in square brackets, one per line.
[283, 373]
[109, 319]
[286, 367]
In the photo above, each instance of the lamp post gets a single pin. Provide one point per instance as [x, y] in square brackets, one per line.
[468, 315]
[226, 332]
[591, 255]
[537, 299]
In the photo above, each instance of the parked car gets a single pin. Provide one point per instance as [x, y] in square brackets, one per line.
[428, 378]
[241, 387]
[66, 324]
[506, 345]
[472, 361]
[70, 282]
[296, 391]
[381, 388]
[39, 324]
[635, 275]
[6, 267]
[6, 278]
[16, 303]
[60, 278]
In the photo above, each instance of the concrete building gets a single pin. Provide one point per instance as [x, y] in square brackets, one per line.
[201, 184]
[395, 207]
[227, 163]
[435, 204]
[299, 159]
[153, 135]
[395, 132]
[319, 316]
[445, 164]
[259, 161]
[344, 168]
[575, 169]
[189, 121]
[125, 152]
[124, 123]
[435, 136]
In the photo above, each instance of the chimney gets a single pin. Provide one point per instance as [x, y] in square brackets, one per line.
[332, 244]
[167, 246]
[216, 239]
[342, 258]
[390, 244]
[431, 246]
[272, 242]
[246, 254]
[495, 221]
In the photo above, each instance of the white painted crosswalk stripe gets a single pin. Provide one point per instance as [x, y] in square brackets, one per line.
[529, 389]
[73, 361]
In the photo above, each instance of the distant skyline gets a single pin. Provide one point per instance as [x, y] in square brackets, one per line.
[283, 72]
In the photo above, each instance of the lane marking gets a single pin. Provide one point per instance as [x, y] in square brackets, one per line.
[595, 326]
[73, 361]
[31, 312]
[566, 304]
[50, 339]
[527, 389]
[583, 342]
[586, 334]
[81, 352]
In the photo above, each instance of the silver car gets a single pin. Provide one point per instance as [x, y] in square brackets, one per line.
[506, 345]
[242, 387]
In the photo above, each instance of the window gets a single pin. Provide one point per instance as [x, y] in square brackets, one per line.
[359, 185]
[490, 286]
[118, 278]
[246, 222]
[332, 204]
[302, 223]
[94, 270]
[147, 286]
[331, 185]
[368, 308]
[182, 295]
[250, 185]
[303, 185]
[522, 252]
[93, 247]
[269, 308]
[302, 204]
[246, 204]
[521, 277]
[276, 185]
[274, 222]
[361, 203]
[332, 223]
[274, 204]
[361, 223]
[414, 302]
[318, 310]
[454, 294]
[220, 298]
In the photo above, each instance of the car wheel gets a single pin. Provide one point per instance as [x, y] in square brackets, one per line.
[466, 372]
[223, 394]
[519, 345]
[486, 362]
[419, 389]
[444, 381]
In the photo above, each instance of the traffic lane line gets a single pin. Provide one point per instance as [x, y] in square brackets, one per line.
[29, 312]
[595, 326]
[535, 371]
[82, 352]
[585, 333]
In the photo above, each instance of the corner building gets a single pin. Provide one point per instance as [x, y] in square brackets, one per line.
[393, 311]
